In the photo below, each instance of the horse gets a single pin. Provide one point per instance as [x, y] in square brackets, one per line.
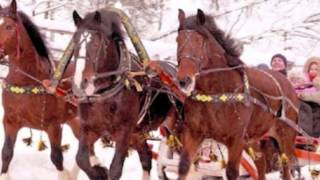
[227, 101]
[25, 100]
[109, 100]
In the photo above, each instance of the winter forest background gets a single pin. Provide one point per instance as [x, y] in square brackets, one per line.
[262, 27]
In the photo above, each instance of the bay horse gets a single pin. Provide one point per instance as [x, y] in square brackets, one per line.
[109, 105]
[228, 101]
[25, 101]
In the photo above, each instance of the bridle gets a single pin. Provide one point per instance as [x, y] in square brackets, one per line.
[117, 83]
[103, 45]
[202, 70]
[18, 36]
[197, 60]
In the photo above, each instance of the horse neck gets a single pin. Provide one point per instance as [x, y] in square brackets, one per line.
[219, 82]
[29, 61]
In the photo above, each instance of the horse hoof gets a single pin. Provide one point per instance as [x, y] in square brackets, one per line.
[146, 175]
[64, 175]
[4, 176]
[100, 173]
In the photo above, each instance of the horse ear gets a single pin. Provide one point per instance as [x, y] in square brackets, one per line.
[181, 16]
[76, 18]
[97, 17]
[201, 17]
[13, 7]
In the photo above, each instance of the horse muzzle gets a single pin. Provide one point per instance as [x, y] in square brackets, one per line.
[187, 85]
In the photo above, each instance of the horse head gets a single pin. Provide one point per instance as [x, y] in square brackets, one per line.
[96, 40]
[9, 30]
[201, 46]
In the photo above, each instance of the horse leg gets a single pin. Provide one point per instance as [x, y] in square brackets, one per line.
[74, 124]
[286, 138]
[145, 155]
[10, 131]
[189, 151]
[234, 157]
[55, 136]
[260, 162]
[121, 150]
[86, 141]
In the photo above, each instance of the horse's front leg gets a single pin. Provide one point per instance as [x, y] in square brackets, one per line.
[10, 131]
[55, 136]
[85, 149]
[145, 156]
[190, 147]
[234, 157]
[121, 150]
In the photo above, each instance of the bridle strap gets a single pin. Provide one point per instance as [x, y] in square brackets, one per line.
[18, 40]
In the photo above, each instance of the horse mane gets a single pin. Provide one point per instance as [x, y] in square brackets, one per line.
[35, 36]
[110, 24]
[232, 49]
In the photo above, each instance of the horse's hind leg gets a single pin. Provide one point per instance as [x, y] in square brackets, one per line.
[260, 162]
[187, 157]
[286, 138]
[55, 135]
[10, 131]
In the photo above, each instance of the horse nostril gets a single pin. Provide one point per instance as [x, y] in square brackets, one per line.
[84, 83]
[185, 82]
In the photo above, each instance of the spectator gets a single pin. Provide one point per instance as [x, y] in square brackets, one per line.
[312, 69]
[263, 66]
[279, 63]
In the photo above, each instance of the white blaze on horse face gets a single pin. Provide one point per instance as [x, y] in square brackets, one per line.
[78, 74]
[80, 62]
[1, 21]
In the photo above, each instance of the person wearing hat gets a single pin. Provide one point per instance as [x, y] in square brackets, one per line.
[312, 70]
[309, 94]
[279, 63]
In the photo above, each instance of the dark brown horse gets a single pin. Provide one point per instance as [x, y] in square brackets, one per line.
[110, 104]
[221, 104]
[25, 101]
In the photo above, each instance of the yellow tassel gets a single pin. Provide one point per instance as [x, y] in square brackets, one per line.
[284, 159]
[314, 173]
[127, 83]
[223, 163]
[27, 141]
[173, 141]
[65, 147]
[170, 141]
[41, 145]
[252, 153]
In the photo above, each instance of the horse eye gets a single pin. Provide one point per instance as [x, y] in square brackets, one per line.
[9, 27]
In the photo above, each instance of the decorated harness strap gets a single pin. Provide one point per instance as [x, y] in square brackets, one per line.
[23, 89]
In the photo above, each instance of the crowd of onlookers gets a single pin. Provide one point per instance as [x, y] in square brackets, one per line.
[307, 87]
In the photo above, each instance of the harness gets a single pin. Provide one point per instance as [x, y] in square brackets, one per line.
[30, 90]
[243, 97]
